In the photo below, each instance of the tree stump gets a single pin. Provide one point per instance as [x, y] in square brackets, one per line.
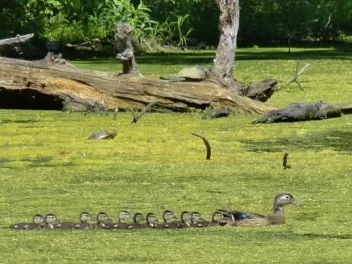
[123, 42]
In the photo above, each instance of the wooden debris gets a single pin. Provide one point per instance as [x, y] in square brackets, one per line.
[137, 117]
[295, 112]
[297, 74]
[284, 162]
[17, 39]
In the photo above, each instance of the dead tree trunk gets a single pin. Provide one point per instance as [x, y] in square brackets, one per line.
[225, 53]
[123, 39]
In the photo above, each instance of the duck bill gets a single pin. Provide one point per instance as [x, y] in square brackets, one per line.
[294, 202]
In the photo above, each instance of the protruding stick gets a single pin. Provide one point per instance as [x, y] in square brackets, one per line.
[206, 143]
[297, 74]
[137, 117]
[284, 162]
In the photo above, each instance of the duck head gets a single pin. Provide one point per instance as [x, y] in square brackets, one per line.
[38, 219]
[138, 217]
[168, 216]
[186, 218]
[85, 217]
[283, 199]
[102, 218]
[123, 216]
[196, 217]
[50, 220]
[152, 221]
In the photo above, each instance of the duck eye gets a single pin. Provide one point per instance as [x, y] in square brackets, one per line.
[288, 197]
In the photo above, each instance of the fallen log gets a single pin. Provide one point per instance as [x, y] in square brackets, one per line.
[16, 40]
[52, 84]
[295, 112]
[345, 108]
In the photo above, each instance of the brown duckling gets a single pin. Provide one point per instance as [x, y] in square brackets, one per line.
[50, 221]
[152, 221]
[198, 220]
[217, 216]
[38, 223]
[168, 217]
[123, 216]
[238, 218]
[103, 221]
[84, 218]
[186, 220]
[137, 219]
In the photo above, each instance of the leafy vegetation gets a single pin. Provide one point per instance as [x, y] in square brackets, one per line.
[261, 22]
[47, 165]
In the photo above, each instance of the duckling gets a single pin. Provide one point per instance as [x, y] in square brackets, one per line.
[186, 220]
[103, 221]
[238, 218]
[38, 222]
[152, 221]
[84, 218]
[198, 221]
[137, 219]
[217, 216]
[168, 216]
[50, 220]
[122, 218]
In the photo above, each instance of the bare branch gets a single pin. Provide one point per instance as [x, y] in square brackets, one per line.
[137, 117]
[297, 74]
[206, 143]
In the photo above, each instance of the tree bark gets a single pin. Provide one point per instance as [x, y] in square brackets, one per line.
[123, 39]
[225, 53]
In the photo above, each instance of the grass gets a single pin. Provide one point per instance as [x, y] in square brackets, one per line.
[47, 165]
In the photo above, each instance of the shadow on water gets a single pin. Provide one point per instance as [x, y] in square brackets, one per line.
[207, 57]
[19, 121]
[327, 236]
[334, 140]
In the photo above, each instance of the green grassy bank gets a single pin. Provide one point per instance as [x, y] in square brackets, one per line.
[47, 165]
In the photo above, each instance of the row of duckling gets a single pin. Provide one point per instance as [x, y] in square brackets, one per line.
[187, 219]
[103, 221]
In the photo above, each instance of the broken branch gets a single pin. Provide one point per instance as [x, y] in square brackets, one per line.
[284, 163]
[137, 117]
[297, 74]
